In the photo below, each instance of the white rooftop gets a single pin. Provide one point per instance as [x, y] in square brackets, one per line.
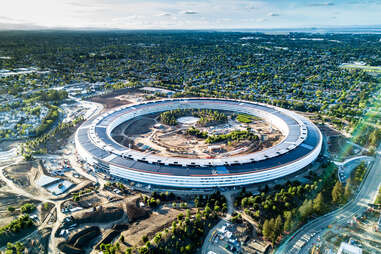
[46, 180]
[59, 187]
[346, 248]
[156, 89]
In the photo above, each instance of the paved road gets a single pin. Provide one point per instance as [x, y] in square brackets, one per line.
[367, 191]
[8, 155]
[362, 157]
[347, 166]
[14, 188]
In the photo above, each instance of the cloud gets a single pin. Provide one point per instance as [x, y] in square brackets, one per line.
[190, 12]
[10, 20]
[375, 2]
[165, 14]
[321, 4]
[272, 14]
[5, 18]
[137, 14]
[21, 26]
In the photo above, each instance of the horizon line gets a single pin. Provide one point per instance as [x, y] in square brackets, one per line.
[343, 27]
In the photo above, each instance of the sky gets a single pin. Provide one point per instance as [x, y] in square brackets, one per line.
[187, 14]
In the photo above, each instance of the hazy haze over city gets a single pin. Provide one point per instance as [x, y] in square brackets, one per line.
[187, 14]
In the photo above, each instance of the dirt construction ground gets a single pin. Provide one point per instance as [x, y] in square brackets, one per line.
[8, 199]
[155, 223]
[25, 175]
[115, 99]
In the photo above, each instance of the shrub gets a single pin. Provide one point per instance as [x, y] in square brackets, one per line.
[27, 208]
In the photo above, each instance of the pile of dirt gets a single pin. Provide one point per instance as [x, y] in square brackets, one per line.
[120, 227]
[84, 237]
[23, 167]
[86, 201]
[135, 212]
[20, 174]
[66, 248]
[110, 235]
[99, 214]
[80, 240]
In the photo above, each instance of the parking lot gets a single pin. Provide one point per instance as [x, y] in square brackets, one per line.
[224, 240]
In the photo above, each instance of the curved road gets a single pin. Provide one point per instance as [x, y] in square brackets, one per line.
[8, 155]
[13, 188]
[367, 191]
[9, 158]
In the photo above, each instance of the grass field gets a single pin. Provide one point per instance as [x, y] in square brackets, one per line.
[245, 118]
[376, 69]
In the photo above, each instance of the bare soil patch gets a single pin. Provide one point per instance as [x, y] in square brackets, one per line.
[25, 174]
[8, 199]
[140, 126]
[134, 212]
[112, 100]
[125, 132]
[101, 214]
[85, 201]
[45, 210]
[39, 243]
[80, 240]
[174, 141]
[22, 167]
[155, 223]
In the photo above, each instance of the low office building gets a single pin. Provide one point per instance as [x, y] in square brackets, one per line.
[346, 248]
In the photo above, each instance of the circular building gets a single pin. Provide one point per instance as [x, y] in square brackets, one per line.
[300, 145]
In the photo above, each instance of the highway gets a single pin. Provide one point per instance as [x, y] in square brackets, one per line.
[366, 194]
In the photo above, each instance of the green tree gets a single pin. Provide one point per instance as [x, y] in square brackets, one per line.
[318, 203]
[337, 193]
[11, 209]
[188, 248]
[145, 238]
[278, 225]
[287, 221]
[27, 208]
[305, 209]
[348, 190]
[45, 206]
[273, 234]
[244, 202]
[266, 229]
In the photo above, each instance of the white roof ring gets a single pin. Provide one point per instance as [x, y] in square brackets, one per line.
[278, 117]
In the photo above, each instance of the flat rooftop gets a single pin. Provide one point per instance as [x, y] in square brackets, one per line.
[301, 140]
